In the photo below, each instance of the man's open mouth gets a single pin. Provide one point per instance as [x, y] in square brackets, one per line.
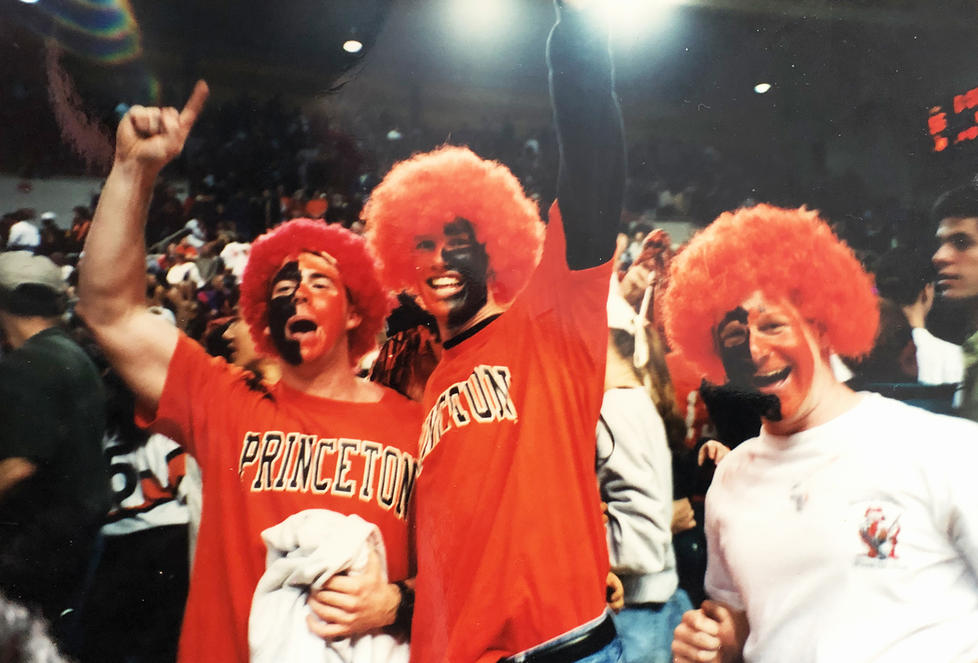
[301, 326]
[767, 379]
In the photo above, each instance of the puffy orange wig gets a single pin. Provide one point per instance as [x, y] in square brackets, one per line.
[357, 266]
[786, 254]
[422, 194]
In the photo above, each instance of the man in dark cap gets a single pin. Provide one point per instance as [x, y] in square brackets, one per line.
[53, 479]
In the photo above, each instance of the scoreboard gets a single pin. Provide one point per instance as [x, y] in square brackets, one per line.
[957, 125]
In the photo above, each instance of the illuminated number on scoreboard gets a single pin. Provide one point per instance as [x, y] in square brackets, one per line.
[962, 126]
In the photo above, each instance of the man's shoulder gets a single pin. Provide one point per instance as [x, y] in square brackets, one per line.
[923, 336]
[898, 430]
[893, 414]
[970, 344]
[194, 372]
[52, 347]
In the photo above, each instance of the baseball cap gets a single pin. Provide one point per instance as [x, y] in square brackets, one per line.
[19, 268]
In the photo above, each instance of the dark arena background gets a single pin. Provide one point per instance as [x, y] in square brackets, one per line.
[846, 124]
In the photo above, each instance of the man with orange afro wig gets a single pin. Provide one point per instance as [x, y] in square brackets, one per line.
[512, 558]
[318, 438]
[835, 535]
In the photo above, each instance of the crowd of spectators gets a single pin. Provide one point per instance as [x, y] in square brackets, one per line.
[254, 162]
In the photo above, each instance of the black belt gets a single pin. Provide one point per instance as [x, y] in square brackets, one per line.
[585, 644]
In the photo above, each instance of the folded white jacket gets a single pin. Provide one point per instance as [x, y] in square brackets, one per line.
[304, 551]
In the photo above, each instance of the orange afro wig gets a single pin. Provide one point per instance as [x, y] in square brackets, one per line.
[785, 254]
[356, 264]
[421, 194]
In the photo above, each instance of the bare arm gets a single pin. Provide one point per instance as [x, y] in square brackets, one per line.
[112, 281]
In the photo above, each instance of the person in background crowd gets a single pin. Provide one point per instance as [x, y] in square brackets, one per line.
[53, 478]
[836, 534]
[75, 237]
[893, 357]
[906, 278]
[634, 467]
[140, 586]
[24, 235]
[246, 355]
[52, 237]
[956, 261]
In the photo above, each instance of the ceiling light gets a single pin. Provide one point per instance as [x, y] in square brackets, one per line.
[761, 88]
[482, 18]
[627, 18]
[352, 46]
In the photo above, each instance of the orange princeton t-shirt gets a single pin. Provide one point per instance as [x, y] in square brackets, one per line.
[265, 454]
[511, 548]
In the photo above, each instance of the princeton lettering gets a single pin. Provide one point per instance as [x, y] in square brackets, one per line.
[356, 469]
[484, 397]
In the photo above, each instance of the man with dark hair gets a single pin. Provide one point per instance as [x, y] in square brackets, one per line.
[53, 479]
[512, 559]
[836, 534]
[318, 438]
[956, 260]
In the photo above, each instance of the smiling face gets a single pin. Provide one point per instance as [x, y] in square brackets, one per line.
[767, 347]
[308, 310]
[452, 273]
[956, 260]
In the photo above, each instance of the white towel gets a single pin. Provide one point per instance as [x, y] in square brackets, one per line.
[304, 551]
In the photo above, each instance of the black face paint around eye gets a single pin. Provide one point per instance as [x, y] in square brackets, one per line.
[280, 309]
[740, 368]
[734, 349]
[472, 263]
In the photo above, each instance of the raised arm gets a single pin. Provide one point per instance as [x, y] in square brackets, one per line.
[112, 272]
[589, 132]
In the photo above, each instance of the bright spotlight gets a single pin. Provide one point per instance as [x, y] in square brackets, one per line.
[482, 16]
[628, 18]
[761, 88]
[29, 2]
[352, 46]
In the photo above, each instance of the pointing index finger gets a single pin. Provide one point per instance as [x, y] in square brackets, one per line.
[194, 104]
